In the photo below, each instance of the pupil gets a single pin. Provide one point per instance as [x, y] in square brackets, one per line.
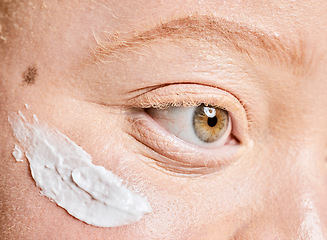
[212, 121]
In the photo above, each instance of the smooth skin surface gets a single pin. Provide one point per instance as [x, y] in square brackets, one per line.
[88, 68]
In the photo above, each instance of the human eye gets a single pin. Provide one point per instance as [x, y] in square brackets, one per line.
[189, 128]
[204, 125]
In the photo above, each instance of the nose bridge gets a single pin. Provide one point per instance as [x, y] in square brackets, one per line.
[310, 194]
[295, 205]
[307, 197]
[311, 225]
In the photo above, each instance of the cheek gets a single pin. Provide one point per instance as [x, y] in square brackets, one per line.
[180, 204]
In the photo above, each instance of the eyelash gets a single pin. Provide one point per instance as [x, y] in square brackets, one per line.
[168, 150]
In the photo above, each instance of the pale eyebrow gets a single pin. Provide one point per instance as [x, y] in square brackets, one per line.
[252, 43]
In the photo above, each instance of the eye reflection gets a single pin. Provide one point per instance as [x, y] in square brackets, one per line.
[210, 123]
[204, 125]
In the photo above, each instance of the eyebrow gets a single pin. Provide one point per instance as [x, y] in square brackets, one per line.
[252, 43]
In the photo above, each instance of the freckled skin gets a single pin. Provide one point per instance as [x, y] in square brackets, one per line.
[276, 188]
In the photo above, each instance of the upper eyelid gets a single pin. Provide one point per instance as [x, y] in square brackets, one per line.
[184, 94]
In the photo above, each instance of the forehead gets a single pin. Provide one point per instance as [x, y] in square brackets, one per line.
[288, 30]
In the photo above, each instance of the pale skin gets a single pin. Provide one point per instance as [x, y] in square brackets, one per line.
[274, 187]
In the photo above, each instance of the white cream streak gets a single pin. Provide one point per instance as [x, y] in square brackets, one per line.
[64, 172]
[17, 153]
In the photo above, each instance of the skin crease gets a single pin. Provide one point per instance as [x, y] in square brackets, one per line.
[276, 189]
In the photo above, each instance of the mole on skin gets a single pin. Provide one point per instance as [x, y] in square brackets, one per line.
[30, 75]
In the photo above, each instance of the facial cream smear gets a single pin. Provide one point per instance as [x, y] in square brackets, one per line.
[64, 172]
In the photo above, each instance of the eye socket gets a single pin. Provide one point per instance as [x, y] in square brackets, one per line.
[163, 123]
[204, 125]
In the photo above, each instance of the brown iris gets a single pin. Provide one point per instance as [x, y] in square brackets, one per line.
[210, 123]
